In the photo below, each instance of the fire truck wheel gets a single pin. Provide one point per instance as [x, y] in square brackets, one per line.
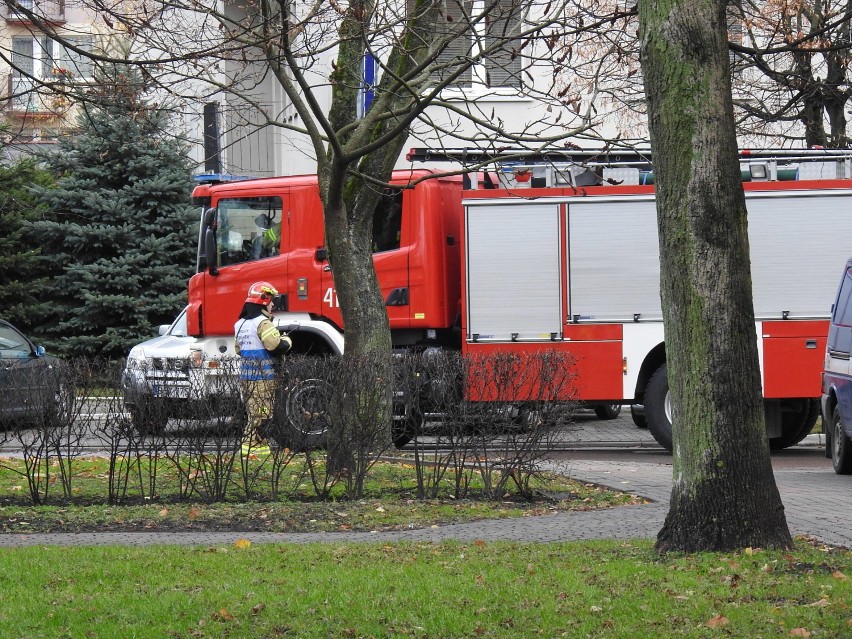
[304, 422]
[607, 411]
[658, 407]
[638, 418]
[841, 446]
[798, 417]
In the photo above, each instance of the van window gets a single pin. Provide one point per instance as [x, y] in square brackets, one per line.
[843, 310]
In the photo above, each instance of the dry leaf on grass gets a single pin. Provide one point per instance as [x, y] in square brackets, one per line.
[223, 615]
[719, 621]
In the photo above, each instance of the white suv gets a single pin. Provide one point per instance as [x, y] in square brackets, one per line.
[175, 375]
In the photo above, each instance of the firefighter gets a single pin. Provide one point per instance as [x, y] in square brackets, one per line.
[258, 343]
[268, 238]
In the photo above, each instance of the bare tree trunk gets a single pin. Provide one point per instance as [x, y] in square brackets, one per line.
[724, 494]
[349, 238]
[349, 201]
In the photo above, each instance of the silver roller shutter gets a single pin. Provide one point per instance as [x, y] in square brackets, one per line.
[513, 266]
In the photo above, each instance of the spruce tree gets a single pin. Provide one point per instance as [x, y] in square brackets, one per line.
[121, 243]
[22, 275]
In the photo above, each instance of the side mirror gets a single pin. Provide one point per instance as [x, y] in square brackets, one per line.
[210, 251]
[39, 351]
[209, 219]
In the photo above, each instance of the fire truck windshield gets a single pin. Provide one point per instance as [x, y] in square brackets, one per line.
[248, 229]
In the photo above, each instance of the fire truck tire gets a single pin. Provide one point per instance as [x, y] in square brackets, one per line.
[301, 419]
[798, 417]
[658, 412]
[607, 411]
[149, 418]
[638, 418]
[841, 446]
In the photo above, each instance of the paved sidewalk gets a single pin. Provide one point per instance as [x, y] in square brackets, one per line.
[818, 503]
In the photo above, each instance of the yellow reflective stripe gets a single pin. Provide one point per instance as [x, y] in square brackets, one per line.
[269, 332]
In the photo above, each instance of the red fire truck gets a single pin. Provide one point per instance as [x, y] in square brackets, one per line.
[543, 254]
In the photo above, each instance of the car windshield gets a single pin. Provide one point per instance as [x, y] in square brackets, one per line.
[178, 327]
[12, 343]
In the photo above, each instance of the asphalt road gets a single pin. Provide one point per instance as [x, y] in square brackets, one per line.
[587, 438]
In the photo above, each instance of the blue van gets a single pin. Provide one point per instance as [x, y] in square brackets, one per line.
[837, 379]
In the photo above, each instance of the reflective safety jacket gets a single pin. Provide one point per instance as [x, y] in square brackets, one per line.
[257, 341]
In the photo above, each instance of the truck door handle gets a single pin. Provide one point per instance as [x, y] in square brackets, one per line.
[810, 343]
[326, 268]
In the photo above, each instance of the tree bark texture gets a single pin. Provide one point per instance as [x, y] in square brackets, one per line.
[360, 158]
[724, 495]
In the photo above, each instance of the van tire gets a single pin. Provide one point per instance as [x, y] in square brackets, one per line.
[841, 446]
[149, 418]
[301, 419]
[658, 407]
[638, 418]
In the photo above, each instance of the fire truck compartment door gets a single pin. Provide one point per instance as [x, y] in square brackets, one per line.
[614, 260]
[513, 272]
[798, 243]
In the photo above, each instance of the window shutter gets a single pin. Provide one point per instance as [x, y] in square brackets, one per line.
[50, 51]
[23, 61]
[455, 14]
[78, 64]
[503, 67]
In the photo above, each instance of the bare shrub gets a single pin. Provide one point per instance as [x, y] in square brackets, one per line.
[112, 429]
[493, 416]
[488, 419]
[45, 428]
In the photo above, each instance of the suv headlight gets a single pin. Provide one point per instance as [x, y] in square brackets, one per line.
[136, 358]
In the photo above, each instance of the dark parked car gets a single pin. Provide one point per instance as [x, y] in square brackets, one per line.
[32, 390]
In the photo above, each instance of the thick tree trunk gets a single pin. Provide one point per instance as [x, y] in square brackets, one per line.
[349, 201]
[368, 338]
[724, 494]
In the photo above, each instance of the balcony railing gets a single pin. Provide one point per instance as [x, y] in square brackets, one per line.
[51, 11]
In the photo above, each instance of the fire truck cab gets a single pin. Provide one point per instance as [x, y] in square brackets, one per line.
[272, 229]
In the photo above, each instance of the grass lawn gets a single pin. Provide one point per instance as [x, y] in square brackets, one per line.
[389, 503]
[424, 590]
[612, 589]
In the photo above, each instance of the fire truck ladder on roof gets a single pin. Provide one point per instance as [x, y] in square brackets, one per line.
[522, 168]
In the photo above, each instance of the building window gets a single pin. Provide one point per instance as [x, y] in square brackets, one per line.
[493, 40]
[39, 59]
[44, 59]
